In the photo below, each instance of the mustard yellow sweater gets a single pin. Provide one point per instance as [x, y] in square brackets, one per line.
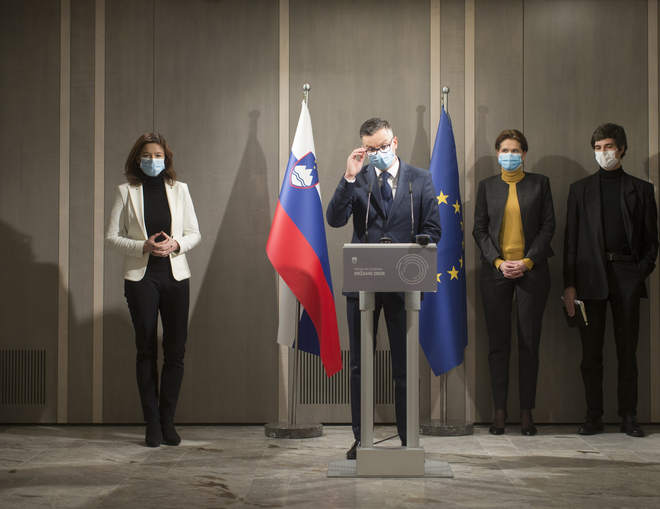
[512, 237]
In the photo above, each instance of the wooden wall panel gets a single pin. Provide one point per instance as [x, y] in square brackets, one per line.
[81, 206]
[216, 101]
[499, 106]
[129, 113]
[29, 196]
[583, 67]
[363, 60]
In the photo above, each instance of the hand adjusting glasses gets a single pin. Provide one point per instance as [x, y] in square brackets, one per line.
[384, 149]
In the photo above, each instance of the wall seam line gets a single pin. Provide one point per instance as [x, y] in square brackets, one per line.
[63, 213]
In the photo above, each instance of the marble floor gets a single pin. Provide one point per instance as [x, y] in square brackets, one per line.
[237, 466]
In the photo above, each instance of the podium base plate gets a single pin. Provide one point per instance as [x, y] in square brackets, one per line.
[451, 428]
[289, 430]
[348, 469]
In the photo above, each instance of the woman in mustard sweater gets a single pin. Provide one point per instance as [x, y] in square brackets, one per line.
[514, 221]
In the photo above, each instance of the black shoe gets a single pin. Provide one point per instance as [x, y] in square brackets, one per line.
[352, 452]
[529, 432]
[498, 431]
[592, 426]
[153, 436]
[170, 436]
[630, 426]
[404, 443]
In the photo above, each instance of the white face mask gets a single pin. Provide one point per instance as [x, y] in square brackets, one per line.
[607, 159]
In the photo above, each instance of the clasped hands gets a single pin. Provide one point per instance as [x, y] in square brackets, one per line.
[513, 270]
[163, 248]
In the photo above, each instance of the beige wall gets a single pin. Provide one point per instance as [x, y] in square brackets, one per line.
[81, 79]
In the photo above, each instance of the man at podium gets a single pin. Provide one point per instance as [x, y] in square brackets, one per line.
[382, 189]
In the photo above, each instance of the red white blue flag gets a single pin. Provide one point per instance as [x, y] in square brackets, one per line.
[298, 250]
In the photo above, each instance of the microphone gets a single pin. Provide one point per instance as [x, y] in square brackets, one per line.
[412, 215]
[366, 219]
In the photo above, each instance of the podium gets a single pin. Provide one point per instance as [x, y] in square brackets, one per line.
[371, 268]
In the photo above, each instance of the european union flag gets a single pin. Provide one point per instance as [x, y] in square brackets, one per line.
[443, 316]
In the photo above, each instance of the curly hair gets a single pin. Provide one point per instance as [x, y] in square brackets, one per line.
[616, 132]
[134, 174]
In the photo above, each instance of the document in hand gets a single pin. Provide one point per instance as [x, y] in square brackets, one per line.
[579, 319]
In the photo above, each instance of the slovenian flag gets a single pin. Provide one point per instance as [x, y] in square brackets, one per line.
[443, 316]
[298, 250]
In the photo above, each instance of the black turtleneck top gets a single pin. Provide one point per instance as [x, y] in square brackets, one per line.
[157, 217]
[614, 230]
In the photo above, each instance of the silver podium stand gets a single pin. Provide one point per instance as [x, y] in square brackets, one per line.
[371, 268]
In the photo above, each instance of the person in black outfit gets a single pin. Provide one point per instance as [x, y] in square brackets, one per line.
[514, 222]
[610, 247]
[153, 224]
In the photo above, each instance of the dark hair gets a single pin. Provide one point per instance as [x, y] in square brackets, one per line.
[616, 132]
[373, 125]
[134, 174]
[511, 134]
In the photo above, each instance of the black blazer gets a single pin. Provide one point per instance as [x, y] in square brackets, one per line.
[351, 199]
[584, 243]
[536, 209]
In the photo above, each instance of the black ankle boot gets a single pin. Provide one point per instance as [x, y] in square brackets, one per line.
[170, 436]
[153, 436]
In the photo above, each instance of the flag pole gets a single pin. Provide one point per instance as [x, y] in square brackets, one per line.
[293, 407]
[292, 429]
[443, 427]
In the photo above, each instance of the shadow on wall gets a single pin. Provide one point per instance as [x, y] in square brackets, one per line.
[420, 155]
[232, 360]
[28, 318]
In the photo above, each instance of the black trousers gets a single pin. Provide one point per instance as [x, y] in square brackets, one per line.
[395, 318]
[159, 292]
[531, 291]
[624, 301]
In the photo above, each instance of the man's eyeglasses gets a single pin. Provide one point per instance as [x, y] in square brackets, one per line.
[384, 149]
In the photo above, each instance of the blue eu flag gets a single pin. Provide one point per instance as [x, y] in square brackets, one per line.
[443, 316]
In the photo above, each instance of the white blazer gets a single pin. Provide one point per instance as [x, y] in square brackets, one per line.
[127, 232]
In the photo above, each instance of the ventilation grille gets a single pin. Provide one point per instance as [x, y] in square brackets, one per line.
[317, 389]
[23, 377]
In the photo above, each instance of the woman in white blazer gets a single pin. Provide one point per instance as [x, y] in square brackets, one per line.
[153, 223]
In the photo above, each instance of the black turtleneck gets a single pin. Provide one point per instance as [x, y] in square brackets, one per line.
[616, 240]
[157, 216]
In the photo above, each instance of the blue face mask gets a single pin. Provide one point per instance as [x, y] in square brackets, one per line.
[152, 167]
[510, 162]
[382, 161]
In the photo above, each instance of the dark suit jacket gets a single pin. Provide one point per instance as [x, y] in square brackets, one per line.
[351, 199]
[584, 244]
[536, 210]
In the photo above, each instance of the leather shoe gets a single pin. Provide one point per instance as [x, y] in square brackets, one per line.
[352, 452]
[592, 426]
[170, 436]
[529, 432]
[496, 431]
[153, 436]
[630, 426]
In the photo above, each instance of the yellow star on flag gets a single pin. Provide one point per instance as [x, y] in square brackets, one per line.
[461, 260]
[453, 272]
[443, 198]
[457, 207]
[461, 225]
[439, 274]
